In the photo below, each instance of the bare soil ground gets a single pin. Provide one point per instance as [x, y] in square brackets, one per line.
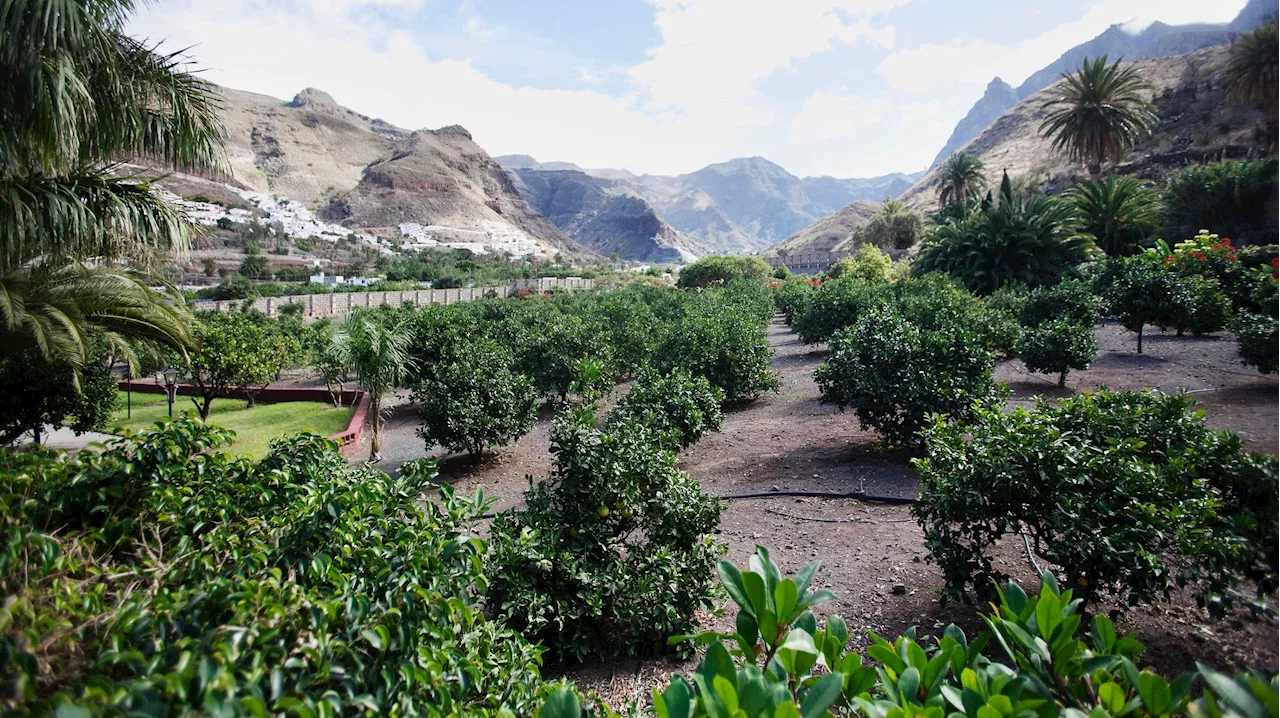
[789, 440]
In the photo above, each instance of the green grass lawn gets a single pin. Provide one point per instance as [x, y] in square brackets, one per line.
[255, 428]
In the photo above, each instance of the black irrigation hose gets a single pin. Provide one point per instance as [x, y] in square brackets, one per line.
[857, 495]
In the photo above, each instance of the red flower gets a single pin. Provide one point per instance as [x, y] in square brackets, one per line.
[1275, 262]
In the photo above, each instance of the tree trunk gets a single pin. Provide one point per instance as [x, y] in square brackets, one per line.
[252, 397]
[35, 434]
[1139, 340]
[375, 443]
[1095, 169]
[1062, 378]
[205, 406]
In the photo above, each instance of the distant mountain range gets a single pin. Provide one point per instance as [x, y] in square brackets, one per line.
[737, 207]
[1155, 41]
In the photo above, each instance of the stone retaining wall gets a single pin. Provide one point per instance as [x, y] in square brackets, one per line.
[315, 306]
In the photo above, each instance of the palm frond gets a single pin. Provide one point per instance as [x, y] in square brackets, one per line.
[85, 214]
[1097, 113]
[54, 306]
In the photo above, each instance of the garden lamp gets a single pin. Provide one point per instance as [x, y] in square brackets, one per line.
[170, 377]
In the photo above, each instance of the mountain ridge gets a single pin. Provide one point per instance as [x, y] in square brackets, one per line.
[738, 206]
[1155, 41]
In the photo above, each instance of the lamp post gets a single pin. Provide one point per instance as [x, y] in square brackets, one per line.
[170, 377]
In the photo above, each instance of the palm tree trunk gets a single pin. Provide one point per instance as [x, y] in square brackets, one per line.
[375, 444]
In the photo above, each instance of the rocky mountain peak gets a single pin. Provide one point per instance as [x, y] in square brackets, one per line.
[313, 99]
[454, 130]
[997, 98]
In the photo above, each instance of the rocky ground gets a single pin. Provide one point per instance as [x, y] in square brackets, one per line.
[872, 554]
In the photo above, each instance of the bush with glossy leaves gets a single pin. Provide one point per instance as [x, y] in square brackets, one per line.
[1057, 347]
[1139, 292]
[723, 344]
[162, 576]
[612, 553]
[895, 373]
[711, 271]
[1032, 661]
[1132, 495]
[679, 408]
[1258, 339]
[474, 401]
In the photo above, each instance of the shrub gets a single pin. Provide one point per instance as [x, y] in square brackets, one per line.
[611, 554]
[474, 401]
[1130, 494]
[1070, 300]
[1208, 309]
[549, 344]
[1257, 337]
[868, 264]
[1058, 346]
[782, 272]
[163, 577]
[1140, 293]
[833, 306]
[771, 667]
[1233, 198]
[721, 270]
[727, 348]
[677, 407]
[896, 373]
[790, 297]
[39, 392]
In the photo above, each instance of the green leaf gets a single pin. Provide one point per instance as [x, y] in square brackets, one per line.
[909, 684]
[1111, 695]
[784, 599]
[822, 695]
[754, 585]
[731, 579]
[562, 703]
[373, 637]
[1232, 693]
[1104, 634]
[1048, 613]
[1155, 693]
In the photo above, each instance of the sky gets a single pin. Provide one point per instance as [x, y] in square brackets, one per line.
[847, 88]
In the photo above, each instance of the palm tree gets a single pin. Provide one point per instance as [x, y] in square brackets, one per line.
[1098, 113]
[1252, 71]
[1121, 213]
[379, 351]
[1019, 239]
[77, 95]
[961, 179]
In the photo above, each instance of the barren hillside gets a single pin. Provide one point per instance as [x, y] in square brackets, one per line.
[368, 174]
[827, 234]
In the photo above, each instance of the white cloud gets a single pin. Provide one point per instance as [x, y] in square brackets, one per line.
[925, 67]
[831, 130]
[713, 51]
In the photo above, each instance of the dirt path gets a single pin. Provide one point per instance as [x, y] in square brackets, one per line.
[789, 440]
